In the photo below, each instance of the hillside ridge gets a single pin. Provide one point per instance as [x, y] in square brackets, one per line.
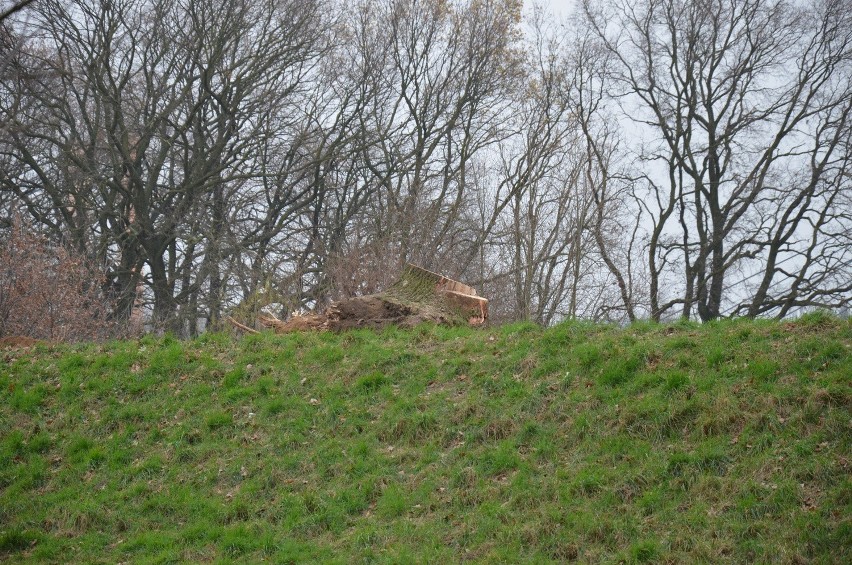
[722, 442]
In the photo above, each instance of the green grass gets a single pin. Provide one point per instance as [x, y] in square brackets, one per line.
[728, 442]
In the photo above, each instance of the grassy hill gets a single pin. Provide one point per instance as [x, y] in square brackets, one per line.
[727, 442]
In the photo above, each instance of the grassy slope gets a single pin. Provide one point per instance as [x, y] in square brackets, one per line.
[684, 443]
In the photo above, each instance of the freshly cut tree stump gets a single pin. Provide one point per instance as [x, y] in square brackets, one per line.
[418, 296]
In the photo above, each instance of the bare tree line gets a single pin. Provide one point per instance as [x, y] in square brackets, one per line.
[657, 159]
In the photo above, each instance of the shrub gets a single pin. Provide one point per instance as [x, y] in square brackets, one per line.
[48, 291]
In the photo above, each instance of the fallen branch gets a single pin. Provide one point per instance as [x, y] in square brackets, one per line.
[242, 326]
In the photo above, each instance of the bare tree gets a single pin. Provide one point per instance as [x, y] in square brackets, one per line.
[13, 8]
[741, 95]
[605, 177]
[441, 102]
[661, 158]
[541, 237]
[151, 122]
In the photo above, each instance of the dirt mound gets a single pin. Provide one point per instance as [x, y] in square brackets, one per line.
[418, 296]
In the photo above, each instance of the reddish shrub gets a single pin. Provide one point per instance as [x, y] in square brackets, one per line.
[48, 292]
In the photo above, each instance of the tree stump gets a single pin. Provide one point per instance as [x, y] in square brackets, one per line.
[418, 296]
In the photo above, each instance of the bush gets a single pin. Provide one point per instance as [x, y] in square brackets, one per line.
[49, 292]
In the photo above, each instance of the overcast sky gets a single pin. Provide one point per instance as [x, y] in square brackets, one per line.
[560, 7]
